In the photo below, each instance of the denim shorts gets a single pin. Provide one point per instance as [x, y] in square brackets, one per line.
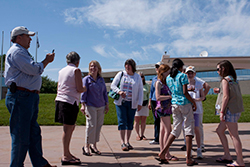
[125, 115]
[232, 117]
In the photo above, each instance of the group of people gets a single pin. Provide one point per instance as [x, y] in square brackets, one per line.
[174, 91]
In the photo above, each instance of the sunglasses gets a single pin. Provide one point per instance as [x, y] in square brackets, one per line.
[218, 69]
[142, 76]
[157, 66]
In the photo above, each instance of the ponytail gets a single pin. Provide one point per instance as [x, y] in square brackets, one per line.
[176, 65]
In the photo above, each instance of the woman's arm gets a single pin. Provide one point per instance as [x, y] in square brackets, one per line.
[225, 99]
[158, 95]
[78, 79]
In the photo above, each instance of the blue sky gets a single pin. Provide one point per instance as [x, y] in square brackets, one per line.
[111, 31]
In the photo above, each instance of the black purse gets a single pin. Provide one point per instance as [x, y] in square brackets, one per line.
[113, 94]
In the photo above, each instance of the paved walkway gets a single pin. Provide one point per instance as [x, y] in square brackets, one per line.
[112, 155]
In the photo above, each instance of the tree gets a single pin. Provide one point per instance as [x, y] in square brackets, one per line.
[48, 86]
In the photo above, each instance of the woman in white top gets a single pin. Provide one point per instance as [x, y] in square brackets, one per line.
[131, 97]
[67, 103]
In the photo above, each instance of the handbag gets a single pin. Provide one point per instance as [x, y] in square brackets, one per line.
[113, 94]
[145, 102]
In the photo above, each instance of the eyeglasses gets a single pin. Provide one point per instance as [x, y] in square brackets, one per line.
[218, 69]
[157, 66]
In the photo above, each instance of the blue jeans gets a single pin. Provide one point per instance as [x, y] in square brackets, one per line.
[24, 129]
[157, 121]
[125, 115]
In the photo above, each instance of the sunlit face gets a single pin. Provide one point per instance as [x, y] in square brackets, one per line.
[190, 74]
[128, 69]
[93, 69]
[219, 70]
[24, 40]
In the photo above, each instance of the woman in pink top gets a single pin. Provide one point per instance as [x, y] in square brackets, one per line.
[67, 103]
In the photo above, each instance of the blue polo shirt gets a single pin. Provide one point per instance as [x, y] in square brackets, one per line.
[176, 87]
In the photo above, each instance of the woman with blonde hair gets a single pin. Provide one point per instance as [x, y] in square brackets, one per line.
[94, 105]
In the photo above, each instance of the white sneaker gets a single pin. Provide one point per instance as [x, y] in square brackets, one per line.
[199, 153]
[153, 142]
[192, 152]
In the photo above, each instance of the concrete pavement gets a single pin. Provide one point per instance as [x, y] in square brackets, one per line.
[112, 155]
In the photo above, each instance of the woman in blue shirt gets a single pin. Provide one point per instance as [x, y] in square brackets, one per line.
[94, 105]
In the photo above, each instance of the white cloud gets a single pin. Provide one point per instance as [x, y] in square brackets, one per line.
[186, 27]
[120, 33]
[100, 49]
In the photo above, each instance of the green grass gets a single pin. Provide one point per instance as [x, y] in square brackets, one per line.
[47, 111]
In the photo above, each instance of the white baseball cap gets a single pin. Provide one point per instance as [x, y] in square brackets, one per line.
[159, 63]
[21, 30]
[190, 68]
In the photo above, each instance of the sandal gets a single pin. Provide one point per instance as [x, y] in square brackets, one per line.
[86, 153]
[143, 138]
[173, 158]
[192, 163]
[124, 147]
[96, 152]
[234, 165]
[78, 159]
[162, 161]
[129, 146]
[138, 138]
[71, 162]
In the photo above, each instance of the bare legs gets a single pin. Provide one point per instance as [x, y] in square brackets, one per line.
[139, 119]
[123, 133]
[233, 131]
[66, 137]
[165, 129]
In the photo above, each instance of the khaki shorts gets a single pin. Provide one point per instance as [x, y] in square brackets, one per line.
[182, 113]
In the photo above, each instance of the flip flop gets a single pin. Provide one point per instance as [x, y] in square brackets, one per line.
[173, 158]
[220, 160]
[162, 161]
[78, 159]
[192, 163]
[71, 162]
[233, 165]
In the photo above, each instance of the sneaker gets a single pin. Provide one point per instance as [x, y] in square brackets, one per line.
[129, 146]
[124, 147]
[153, 142]
[199, 154]
[203, 149]
[192, 152]
[183, 148]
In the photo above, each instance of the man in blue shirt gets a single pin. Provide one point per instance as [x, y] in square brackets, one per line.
[23, 78]
[152, 105]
